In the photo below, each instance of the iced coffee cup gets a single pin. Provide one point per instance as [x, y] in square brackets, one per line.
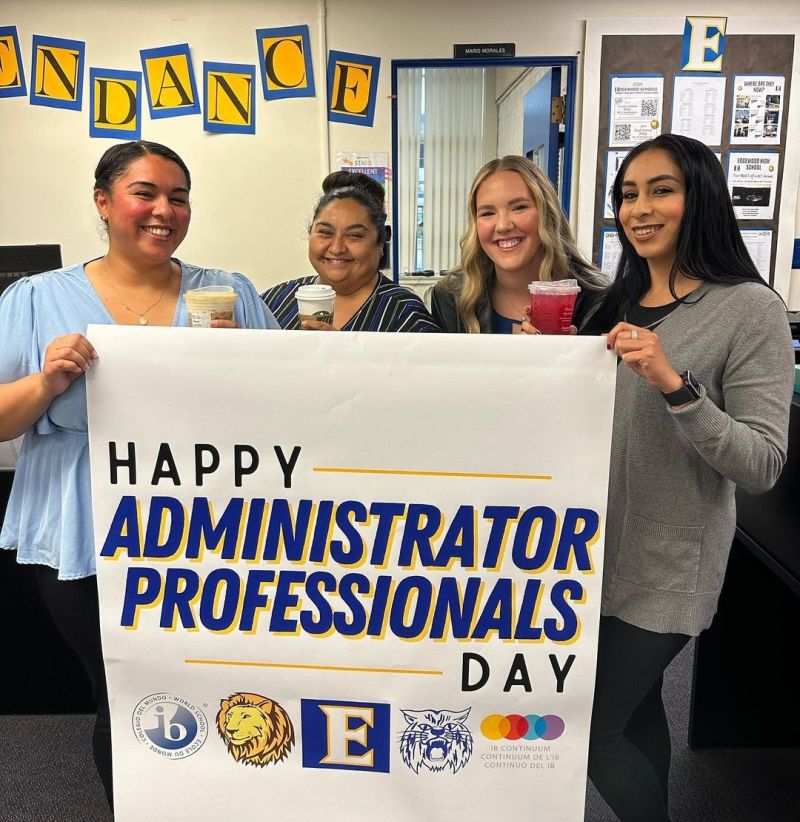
[552, 304]
[211, 302]
[315, 302]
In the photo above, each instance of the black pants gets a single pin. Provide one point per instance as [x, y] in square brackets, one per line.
[73, 606]
[629, 745]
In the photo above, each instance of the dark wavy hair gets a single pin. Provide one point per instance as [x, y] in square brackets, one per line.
[368, 192]
[710, 246]
[114, 163]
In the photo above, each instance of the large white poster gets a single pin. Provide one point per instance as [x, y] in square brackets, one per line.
[349, 576]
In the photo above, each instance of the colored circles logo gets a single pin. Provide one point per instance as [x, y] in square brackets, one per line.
[170, 726]
[515, 726]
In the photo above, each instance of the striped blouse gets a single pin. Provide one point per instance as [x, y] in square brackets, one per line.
[390, 307]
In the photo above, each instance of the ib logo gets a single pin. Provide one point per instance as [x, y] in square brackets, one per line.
[349, 736]
[170, 726]
[515, 726]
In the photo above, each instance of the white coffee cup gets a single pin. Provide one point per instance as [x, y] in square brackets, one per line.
[315, 302]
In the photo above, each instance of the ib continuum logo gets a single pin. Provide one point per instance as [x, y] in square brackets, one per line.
[170, 726]
[516, 726]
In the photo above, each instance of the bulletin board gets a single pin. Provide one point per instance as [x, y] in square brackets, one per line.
[754, 145]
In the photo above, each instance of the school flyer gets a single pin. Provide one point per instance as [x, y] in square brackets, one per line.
[753, 182]
[759, 102]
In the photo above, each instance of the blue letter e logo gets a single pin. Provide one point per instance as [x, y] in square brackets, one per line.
[351, 736]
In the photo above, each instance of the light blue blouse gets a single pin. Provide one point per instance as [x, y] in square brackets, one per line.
[49, 515]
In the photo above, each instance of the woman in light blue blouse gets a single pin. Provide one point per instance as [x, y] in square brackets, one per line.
[142, 195]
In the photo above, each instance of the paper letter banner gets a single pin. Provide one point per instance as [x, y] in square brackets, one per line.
[12, 74]
[169, 78]
[284, 56]
[229, 98]
[57, 72]
[352, 87]
[116, 103]
[349, 576]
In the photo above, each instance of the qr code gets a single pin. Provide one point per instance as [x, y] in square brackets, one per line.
[649, 108]
[622, 132]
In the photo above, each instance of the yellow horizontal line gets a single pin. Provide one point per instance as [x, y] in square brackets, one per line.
[432, 473]
[313, 667]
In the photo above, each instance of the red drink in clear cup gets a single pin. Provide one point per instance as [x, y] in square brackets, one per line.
[552, 304]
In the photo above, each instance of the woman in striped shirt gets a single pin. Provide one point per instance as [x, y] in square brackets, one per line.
[347, 245]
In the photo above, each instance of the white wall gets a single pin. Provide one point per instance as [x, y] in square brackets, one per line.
[252, 195]
[511, 108]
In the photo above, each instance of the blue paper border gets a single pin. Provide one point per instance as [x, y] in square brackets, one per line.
[229, 68]
[368, 119]
[58, 42]
[310, 90]
[115, 74]
[22, 89]
[169, 51]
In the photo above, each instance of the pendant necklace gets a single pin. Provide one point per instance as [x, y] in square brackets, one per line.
[142, 315]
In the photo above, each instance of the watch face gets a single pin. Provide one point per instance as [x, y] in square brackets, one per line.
[691, 383]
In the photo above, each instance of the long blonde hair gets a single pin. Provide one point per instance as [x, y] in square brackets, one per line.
[561, 260]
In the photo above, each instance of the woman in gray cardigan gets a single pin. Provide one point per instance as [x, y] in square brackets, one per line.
[702, 406]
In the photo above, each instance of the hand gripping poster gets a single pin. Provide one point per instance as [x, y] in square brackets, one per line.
[349, 576]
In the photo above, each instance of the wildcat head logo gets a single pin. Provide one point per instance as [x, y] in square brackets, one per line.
[436, 740]
[257, 729]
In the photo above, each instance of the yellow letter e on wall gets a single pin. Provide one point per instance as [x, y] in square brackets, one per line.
[12, 74]
[116, 103]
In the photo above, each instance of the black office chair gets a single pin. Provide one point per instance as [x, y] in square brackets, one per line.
[20, 260]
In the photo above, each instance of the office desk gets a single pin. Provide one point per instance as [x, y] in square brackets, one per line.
[745, 692]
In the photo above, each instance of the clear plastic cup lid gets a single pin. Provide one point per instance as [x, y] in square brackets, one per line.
[212, 290]
[550, 286]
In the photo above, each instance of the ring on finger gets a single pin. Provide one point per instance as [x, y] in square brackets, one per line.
[634, 334]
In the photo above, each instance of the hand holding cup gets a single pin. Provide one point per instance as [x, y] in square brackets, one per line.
[315, 306]
[552, 304]
[211, 306]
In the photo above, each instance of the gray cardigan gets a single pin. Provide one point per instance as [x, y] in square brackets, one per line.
[671, 508]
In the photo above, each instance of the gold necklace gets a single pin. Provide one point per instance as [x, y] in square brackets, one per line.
[142, 315]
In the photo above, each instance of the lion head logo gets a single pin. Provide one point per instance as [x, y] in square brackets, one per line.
[256, 729]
